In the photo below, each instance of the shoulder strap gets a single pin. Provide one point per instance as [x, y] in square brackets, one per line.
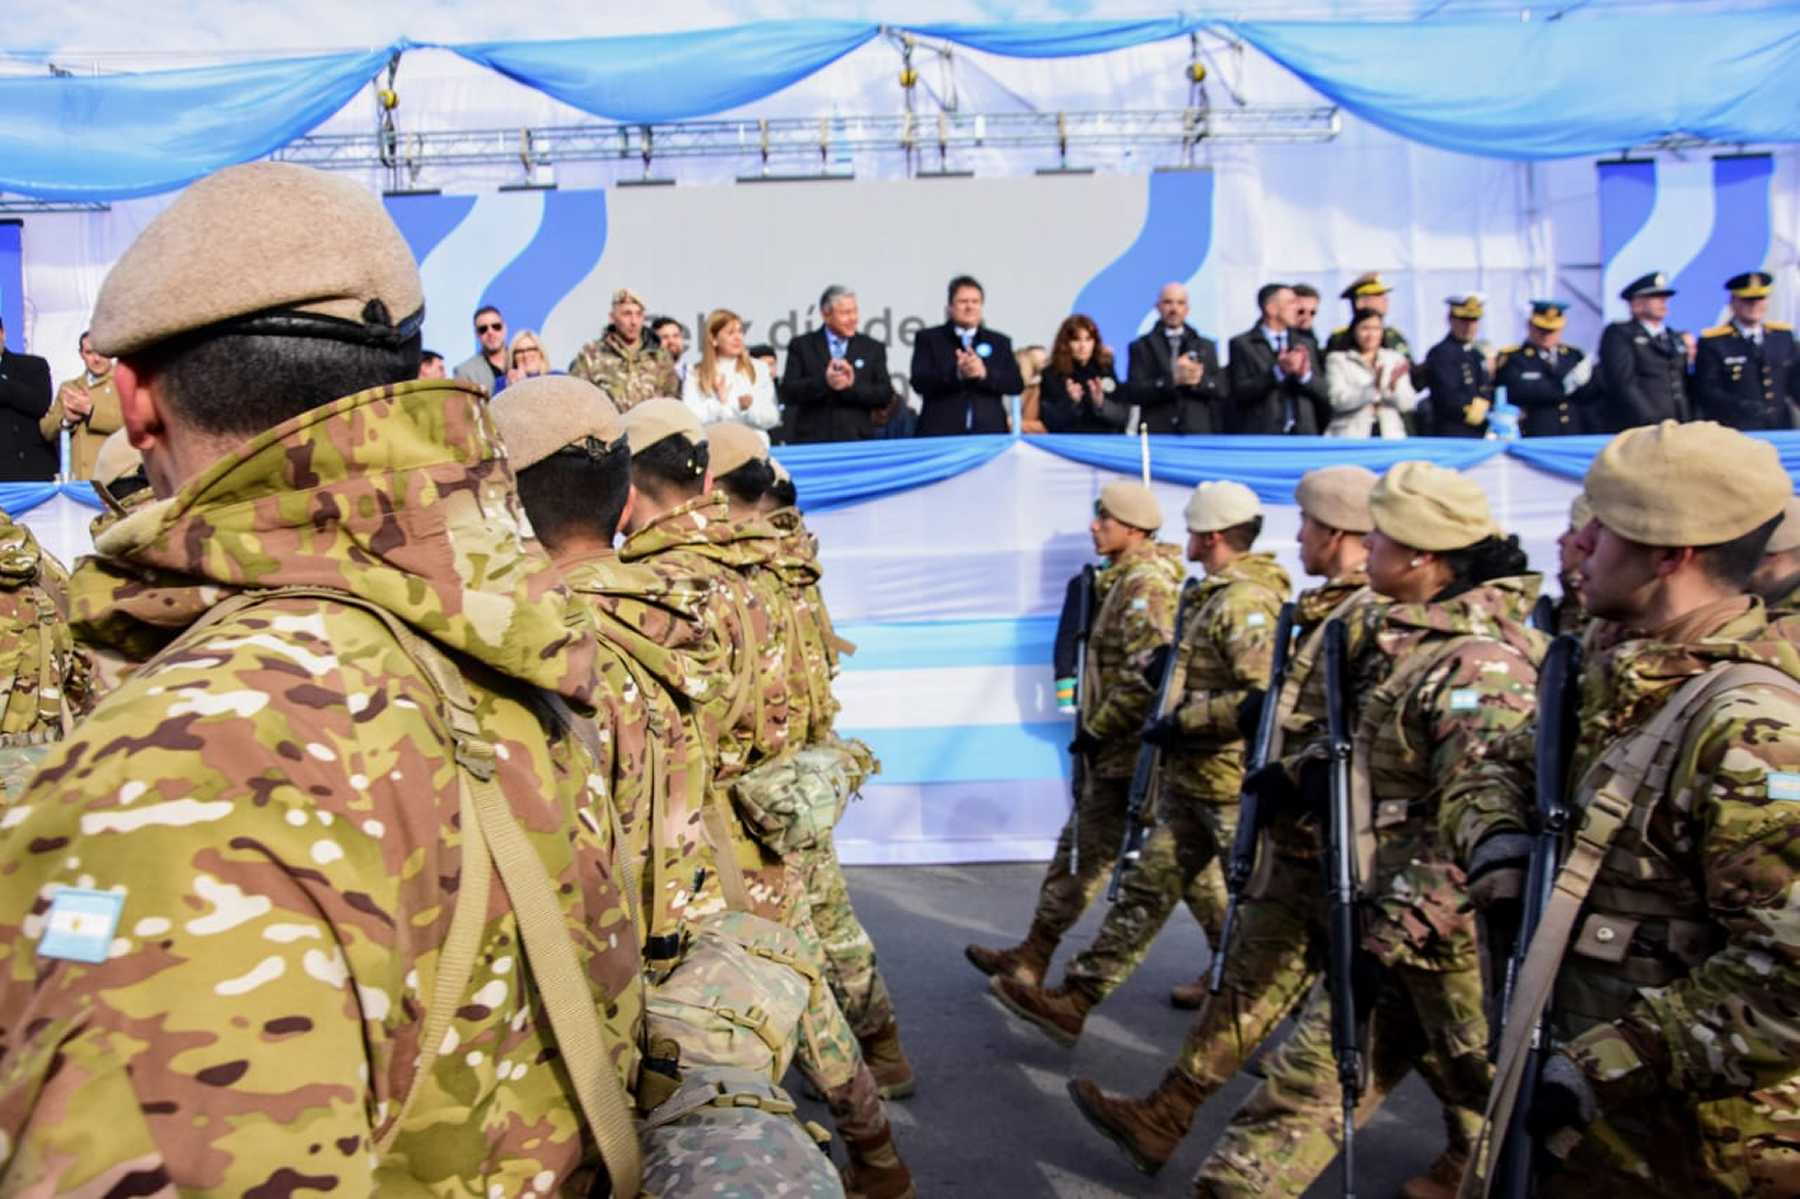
[1637, 762]
[1300, 668]
[716, 820]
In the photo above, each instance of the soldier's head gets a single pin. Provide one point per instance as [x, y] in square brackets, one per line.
[1750, 296]
[1224, 520]
[1367, 290]
[670, 461]
[627, 313]
[1126, 515]
[1682, 515]
[1434, 536]
[781, 493]
[1648, 297]
[431, 365]
[1777, 574]
[265, 291]
[1545, 328]
[1334, 519]
[567, 446]
[1568, 543]
[739, 456]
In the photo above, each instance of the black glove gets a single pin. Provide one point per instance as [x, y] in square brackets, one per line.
[1249, 714]
[1273, 785]
[1157, 666]
[1164, 732]
[1084, 742]
[1564, 1102]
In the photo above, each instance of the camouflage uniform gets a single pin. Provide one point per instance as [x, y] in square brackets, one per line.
[45, 680]
[87, 434]
[1226, 651]
[1688, 1037]
[628, 374]
[819, 641]
[1134, 614]
[1785, 605]
[278, 803]
[1571, 617]
[1415, 922]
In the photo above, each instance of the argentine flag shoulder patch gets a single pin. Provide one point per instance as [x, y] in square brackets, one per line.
[80, 924]
[1784, 784]
[1255, 620]
[1464, 700]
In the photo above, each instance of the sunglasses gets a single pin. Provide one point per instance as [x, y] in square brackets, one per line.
[489, 328]
[1100, 512]
[528, 349]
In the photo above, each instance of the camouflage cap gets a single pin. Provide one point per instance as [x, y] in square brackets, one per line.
[1338, 497]
[1787, 534]
[654, 420]
[1131, 504]
[1430, 507]
[117, 457]
[539, 416]
[305, 252]
[733, 444]
[1675, 484]
[1580, 511]
[1221, 505]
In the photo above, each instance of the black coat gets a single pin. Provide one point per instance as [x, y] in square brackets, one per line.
[952, 404]
[817, 413]
[1063, 415]
[1162, 406]
[1534, 379]
[1742, 384]
[25, 457]
[1645, 377]
[1264, 404]
[1456, 371]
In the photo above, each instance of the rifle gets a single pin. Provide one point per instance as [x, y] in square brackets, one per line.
[1341, 887]
[1543, 615]
[1559, 704]
[1242, 862]
[1084, 620]
[1137, 799]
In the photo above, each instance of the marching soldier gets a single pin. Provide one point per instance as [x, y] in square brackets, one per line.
[1222, 666]
[1667, 952]
[246, 947]
[1458, 372]
[1777, 576]
[1743, 368]
[46, 680]
[1273, 961]
[1551, 383]
[1368, 290]
[1436, 676]
[1135, 614]
[1643, 362]
[1571, 616]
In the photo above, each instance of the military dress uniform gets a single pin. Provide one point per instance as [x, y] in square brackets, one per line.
[1644, 373]
[1673, 995]
[1552, 386]
[1456, 372]
[1743, 375]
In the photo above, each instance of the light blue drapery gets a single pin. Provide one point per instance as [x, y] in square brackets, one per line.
[16, 499]
[838, 474]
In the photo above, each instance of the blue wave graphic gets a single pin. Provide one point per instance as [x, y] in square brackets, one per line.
[565, 251]
[1739, 242]
[1627, 196]
[1171, 247]
[425, 221]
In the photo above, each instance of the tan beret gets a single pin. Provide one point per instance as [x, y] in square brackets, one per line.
[540, 415]
[1580, 511]
[1430, 507]
[249, 239]
[1221, 505]
[1686, 484]
[733, 443]
[1131, 504]
[654, 420]
[117, 457]
[1337, 497]
[1786, 536]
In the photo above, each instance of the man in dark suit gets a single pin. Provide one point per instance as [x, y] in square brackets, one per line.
[1741, 368]
[25, 457]
[836, 378]
[1276, 379]
[1173, 375]
[1456, 371]
[963, 370]
[1643, 363]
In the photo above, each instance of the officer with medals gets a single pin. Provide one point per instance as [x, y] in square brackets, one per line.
[1643, 362]
[1457, 372]
[1551, 383]
[1742, 368]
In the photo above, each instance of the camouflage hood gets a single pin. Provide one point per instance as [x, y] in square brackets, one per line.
[799, 548]
[763, 544]
[18, 555]
[1480, 610]
[656, 618]
[1314, 605]
[399, 495]
[1164, 559]
[1636, 676]
[1260, 569]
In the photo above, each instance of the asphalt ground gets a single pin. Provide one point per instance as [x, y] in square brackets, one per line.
[992, 1116]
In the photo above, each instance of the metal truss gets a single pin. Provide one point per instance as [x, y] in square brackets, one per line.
[824, 145]
[26, 206]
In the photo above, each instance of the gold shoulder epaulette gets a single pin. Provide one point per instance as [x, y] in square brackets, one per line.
[1779, 326]
[1340, 329]
[1719, 331]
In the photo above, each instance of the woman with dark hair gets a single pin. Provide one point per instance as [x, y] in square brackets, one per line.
[1436, 676]
[1371, 385]
[1078, 391]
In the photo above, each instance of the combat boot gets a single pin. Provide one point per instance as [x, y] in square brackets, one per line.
[887, 1061]
[1190, 996]
[1059, 1012]
[1149, 1130]
[875, 1170]
[1439, 1182]
[1026, 962]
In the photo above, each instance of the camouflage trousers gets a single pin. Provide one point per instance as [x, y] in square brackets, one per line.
[1094, 831]
[1180, 862]
[849, 953]
[1289, 1130]
[828, 1054]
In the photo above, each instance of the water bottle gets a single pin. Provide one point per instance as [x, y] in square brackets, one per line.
[1503, 418]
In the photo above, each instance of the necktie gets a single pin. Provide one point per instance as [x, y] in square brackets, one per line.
[968, 337]
[1280, 343]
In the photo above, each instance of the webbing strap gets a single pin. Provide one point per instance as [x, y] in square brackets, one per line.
[1300, 668]
[1637, 763]
[714, 819]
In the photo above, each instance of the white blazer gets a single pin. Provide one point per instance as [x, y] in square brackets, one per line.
[762, 413]
[1359, 405]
